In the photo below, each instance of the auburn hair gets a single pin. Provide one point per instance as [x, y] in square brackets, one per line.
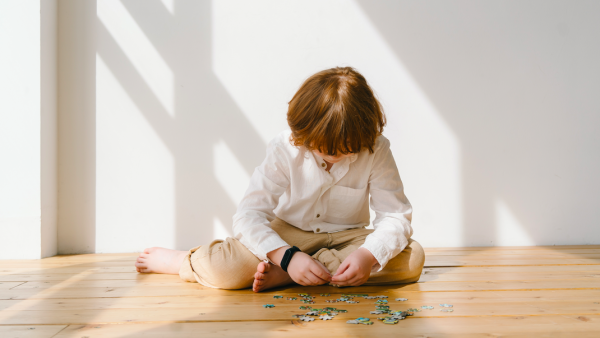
[335, 111]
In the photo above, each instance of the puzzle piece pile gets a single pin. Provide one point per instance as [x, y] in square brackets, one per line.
[381, 308]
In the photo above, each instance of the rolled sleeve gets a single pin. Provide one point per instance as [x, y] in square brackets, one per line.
[251, 222]
[393, 211]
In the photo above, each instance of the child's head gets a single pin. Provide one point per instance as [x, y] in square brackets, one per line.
[335, 112]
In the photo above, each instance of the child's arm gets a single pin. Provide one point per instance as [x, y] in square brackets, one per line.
[251, 223]
[392, 222]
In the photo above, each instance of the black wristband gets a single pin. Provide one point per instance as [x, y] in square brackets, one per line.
[287, 257]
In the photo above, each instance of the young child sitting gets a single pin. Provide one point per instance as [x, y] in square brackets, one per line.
[304, 214]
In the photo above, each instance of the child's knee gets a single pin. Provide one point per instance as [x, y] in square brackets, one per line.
[225, 265]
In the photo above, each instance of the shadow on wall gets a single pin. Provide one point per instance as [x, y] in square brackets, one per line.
[204, 113]
[518, 84]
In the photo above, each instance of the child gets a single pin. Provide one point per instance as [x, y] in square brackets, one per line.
[304, 214]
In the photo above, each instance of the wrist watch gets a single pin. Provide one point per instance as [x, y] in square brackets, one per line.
[287, 257]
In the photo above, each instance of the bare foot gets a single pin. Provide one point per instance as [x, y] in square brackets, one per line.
[268, 276]
[160, 260]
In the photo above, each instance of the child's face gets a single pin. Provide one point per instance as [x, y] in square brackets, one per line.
[331, 159]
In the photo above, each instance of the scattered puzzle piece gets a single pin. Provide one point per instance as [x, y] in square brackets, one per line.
[326, 317]
[381, 296]
[401, 299]
[446, 310]
[390, 321]
[325, 295]
[427, 307]
[297, 316]
[292, 298]
[307, 319]
[378, 312]
[312, 313]
[268, 305]
[381, 301]
[305, 307]
[352, 301]
[446, 305]
[369, 297]
[277, 296]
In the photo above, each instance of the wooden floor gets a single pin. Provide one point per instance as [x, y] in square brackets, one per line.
[496, 292]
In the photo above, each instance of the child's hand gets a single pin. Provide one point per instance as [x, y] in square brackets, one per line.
[355, 269]
[304, 270]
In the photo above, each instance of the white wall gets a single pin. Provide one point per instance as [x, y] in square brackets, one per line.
[76, 126]
[492, 113]
[165, 108]
[27, 136]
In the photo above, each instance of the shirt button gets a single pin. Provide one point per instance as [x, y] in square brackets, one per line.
[322, 164]
[318, 215]
[318, 229]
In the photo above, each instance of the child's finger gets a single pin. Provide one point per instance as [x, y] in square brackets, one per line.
[342, 268]
[320, 272]
[344, 277]
[314, 280]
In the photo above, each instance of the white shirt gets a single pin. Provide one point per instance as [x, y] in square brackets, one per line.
[292, 184]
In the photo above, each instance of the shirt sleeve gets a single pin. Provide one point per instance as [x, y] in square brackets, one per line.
[251, 222]
[393, 212]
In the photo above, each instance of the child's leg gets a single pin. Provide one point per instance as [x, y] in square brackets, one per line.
[223, 264]
[406, 267]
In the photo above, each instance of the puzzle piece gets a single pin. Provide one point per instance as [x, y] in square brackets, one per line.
[325, 294]
[378, 312]
[381, 296]
[352, 301]
[292, 298]
[356, 321]
[390, 321]
[401, 299]
[277, 296]
[446, 310]
[312, 313]
[382, 307]
[268, 305]
[307, 319]
[413, 310]
[427, 307]
[305, 307]
[369, 297]
[326, 317]
[446, 305]
[297, 316]
[400, 314]
[381, 301]
[303, 294]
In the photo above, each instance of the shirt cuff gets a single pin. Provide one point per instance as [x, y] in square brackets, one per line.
[378, 249]
[272, 243]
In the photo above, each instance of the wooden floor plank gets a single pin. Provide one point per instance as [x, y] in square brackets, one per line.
[415, 299]
[513, 326]
[24, 275]
[255, 312]
[449, 275]
[503, 248]
[9, 285]
[30, 331]
[133, 289]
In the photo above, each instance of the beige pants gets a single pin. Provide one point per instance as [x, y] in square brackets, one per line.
[229, 264]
